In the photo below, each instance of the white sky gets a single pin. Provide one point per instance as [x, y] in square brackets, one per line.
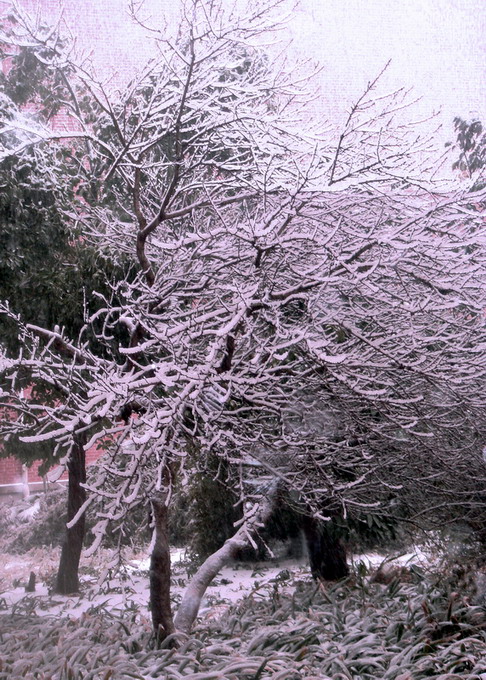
[438, 47]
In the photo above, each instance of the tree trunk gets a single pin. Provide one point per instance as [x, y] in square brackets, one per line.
[327, 555]
[67, 576]
[191, 602]
[160, 571]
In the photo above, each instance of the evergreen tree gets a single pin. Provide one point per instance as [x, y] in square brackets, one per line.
[50, 276]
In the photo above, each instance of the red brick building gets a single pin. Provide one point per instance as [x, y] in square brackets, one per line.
[16, 478]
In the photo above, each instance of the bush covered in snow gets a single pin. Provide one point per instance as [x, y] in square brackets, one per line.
[42, 528]
[41, 523]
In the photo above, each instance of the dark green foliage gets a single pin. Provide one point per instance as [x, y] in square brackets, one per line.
[212, 513]
[282, 534]
[211, 509]
[33, 76]
[369, 532]
[38, 265]
[205, 519]
[133, 531]
[30, 452]
[471, 143]
[48, 274]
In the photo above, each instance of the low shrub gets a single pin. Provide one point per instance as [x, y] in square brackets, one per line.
[45, 528]
[355, 629]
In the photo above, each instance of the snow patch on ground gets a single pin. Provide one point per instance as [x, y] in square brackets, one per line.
[129, 590]
[374, 560]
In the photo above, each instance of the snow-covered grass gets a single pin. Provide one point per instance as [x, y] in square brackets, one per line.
[257, 622]
[282, 630]
[417, 556]
[128, 588]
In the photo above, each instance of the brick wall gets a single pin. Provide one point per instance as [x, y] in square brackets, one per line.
[12, 472]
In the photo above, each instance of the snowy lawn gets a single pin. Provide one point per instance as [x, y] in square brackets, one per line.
[129, 588]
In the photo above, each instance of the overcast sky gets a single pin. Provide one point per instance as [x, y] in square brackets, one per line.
[438, 47]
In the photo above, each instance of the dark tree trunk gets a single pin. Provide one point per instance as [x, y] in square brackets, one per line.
[30, 587]
[296, 546]
[160, 606]
[327, 555]
[67, 576]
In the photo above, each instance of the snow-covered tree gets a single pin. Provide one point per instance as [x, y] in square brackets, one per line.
[309, 308]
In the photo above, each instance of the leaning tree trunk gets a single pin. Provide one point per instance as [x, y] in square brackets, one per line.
[160, 571]
[194, 593]
[67, 576]
[327, 555]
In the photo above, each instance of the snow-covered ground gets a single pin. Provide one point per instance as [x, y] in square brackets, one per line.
[129, 588]
[417, 556]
